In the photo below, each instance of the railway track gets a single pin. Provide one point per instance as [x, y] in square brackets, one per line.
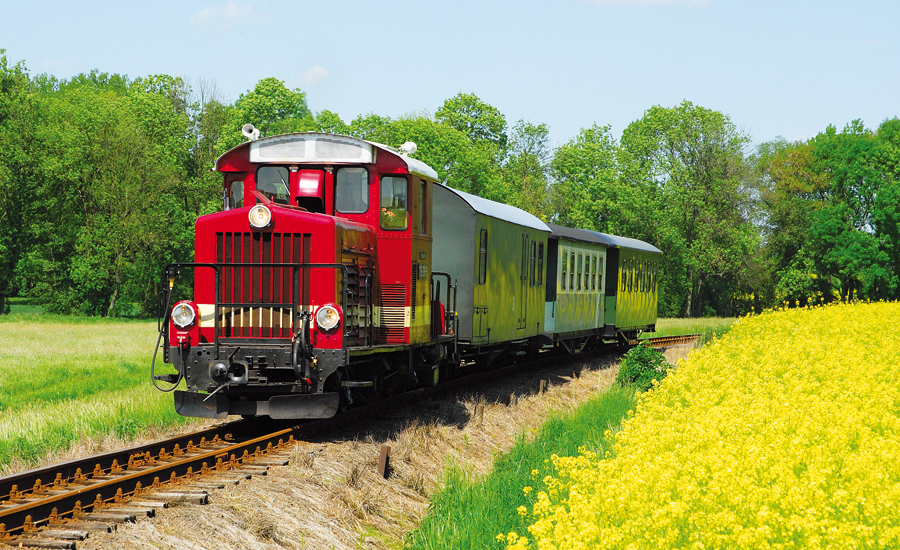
[55, 506]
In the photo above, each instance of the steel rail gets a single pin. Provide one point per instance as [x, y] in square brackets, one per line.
[82, 499]
[66, 472]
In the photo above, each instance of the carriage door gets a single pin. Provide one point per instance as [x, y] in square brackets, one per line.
[522, 298]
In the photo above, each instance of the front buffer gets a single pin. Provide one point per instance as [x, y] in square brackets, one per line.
[279, 407]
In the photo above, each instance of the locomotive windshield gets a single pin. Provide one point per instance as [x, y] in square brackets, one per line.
[352, 191]
[271, 181]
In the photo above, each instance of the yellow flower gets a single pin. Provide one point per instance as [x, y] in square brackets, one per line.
[781, 433]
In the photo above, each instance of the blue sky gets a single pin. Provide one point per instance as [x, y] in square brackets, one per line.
[777, 68]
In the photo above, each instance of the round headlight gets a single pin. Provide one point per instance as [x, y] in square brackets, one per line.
[183, 315]
[260, 216]
[327, 317]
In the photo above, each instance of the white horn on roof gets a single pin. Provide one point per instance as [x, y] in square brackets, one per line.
[250, 132]
[408, 148]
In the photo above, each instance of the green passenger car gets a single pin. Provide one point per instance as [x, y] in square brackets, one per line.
[497, 254]
[632, 287]
[575, 297]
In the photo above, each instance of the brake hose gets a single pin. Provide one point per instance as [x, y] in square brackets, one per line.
[159, 339]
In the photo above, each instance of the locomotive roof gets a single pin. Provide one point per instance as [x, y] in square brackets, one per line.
[323, 148]
[588, 236]
[500, 211]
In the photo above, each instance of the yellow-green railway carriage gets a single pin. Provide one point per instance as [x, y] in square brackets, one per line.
[576, 277]
[496, 253]
[632, 287]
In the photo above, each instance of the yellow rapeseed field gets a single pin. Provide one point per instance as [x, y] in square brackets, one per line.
[782, 434]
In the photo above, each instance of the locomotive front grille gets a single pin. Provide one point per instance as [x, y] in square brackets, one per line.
[257, 289]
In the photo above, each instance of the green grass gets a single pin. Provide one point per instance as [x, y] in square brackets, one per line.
[706, 326]
[66, 378]
[23, 306]
[469, 514]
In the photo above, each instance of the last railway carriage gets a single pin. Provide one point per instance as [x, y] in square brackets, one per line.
[341, 271]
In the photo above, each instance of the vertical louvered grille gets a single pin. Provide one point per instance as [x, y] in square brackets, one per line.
[393, 309]
[250, 286]
[412, 295]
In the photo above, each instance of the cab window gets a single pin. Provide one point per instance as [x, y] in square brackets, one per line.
[351, 191]
[272, 181]
[234, 191]
[394, 214]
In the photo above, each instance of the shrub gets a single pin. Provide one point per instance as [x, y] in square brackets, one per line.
[641, 366]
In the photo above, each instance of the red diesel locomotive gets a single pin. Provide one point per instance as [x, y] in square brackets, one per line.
[313, 287]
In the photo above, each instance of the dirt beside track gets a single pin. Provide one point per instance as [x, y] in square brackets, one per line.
[331, 496]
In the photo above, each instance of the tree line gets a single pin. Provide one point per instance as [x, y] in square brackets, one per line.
[102, 177]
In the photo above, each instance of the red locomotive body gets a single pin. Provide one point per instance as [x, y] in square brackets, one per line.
[313, 287]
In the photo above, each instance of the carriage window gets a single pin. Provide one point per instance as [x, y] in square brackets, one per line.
[632, 283]
[626, 283]
[600, 275]
[234, 194]
[524, 274]
[482, 258]
[533, 260]
[594, 273]
[639, 280]
[565, 270]
[587, 272]
[540, 267]
[572, 271]
[579, 271]
[272, 181]
[351, 191]
[394, 214]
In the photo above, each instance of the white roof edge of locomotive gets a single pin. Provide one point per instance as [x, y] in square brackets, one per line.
[414, 166]
[499, 210]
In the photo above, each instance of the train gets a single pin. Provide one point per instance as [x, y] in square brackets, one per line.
[342, 271]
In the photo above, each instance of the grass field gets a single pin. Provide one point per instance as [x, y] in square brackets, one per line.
[63, 379]
[706, 326]
[22, 306]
